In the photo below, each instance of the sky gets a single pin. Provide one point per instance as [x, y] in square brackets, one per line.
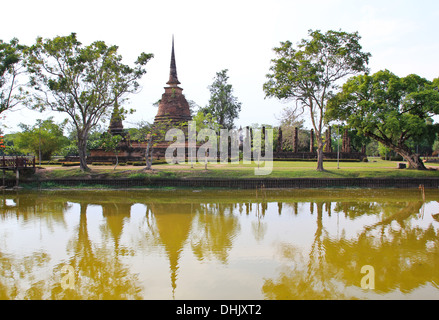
[237, 35]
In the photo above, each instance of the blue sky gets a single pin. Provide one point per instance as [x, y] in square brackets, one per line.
[237, 35]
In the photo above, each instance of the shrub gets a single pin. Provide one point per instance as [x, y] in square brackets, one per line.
[70, 164]
[103, 163]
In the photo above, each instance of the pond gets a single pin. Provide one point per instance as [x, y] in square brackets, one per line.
[218, 244]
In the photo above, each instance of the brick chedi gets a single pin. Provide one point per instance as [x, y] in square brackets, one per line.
[116, 125]
[173, 106]
[173, 111]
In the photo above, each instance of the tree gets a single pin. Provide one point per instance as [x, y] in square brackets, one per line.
[2, 144]
[10, 70]
[289, 119]
[42, 139]
[206, 121]
[311, 73]
[84, 82]
[110, 143]
[389, 109]
[223, 106]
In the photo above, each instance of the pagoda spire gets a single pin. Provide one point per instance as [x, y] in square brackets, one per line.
[116, 126]
[173, 80]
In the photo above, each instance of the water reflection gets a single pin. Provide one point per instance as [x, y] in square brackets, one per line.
[182, 244]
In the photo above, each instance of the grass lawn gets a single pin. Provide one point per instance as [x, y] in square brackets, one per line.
[375, 168]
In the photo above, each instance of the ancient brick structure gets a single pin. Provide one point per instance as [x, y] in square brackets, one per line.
[296, 139]
[280, 141]
[328, 140]
[346, 146]
[116, 125]
[345, 153]
[173, 111]
[173, 106]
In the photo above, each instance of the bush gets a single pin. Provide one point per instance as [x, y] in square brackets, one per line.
[103, 163]
[70, 164]
[48, 162]
[393, 158]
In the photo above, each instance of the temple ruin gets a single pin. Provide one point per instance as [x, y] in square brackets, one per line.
[343, 153]
[174, 112]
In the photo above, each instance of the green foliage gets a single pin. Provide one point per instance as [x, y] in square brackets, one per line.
[108, 142]
[84, 82]
[140, 132]
[436, 146]
[310, 73]
[70, 164]
[10, 72]
[392, 110]
[45, 136]
[290, 118]
[10, 145]
[70, 150]
[206, 121]
[223, 106]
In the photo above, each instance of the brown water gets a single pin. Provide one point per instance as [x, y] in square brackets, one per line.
[196, 244]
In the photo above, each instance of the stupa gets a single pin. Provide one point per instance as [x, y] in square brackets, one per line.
[173, 106]
[173, 111]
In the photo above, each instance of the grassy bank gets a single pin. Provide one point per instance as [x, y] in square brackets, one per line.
[375, 168]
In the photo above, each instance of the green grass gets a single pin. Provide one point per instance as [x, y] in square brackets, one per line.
[375, 168]
[293, 169]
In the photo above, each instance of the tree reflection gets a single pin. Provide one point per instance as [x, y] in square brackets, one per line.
[404, 258]
[405, 255]
[307, 277]
[209, 228]
[215, 228]
[99, 272]
[18, 278]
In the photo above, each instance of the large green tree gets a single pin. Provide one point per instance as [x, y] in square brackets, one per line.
[42, 139]
[391, 110]
[11, 69]
[223, 105]
[310, 73]
[85, 82]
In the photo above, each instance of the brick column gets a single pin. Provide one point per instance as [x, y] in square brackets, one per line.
[295, 139]
[279, 141]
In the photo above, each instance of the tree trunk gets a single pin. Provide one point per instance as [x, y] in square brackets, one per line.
[148, 161]
[413, 160]
[82, 148]
[117, 161]
[320, 146]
